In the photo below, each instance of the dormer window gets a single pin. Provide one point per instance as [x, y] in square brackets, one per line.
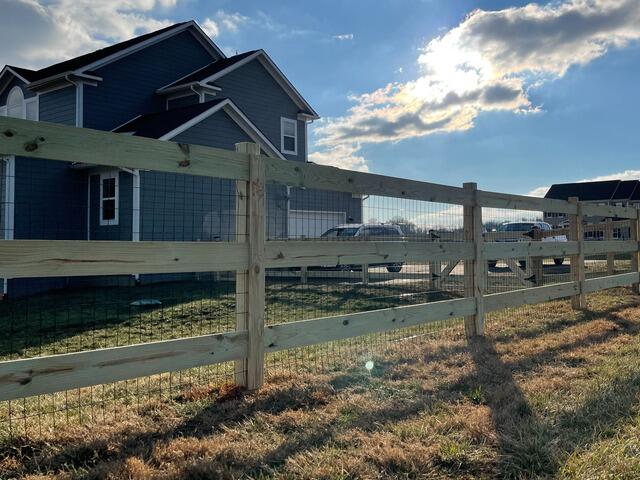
[15, 103]
[288, 136]
[19, 107]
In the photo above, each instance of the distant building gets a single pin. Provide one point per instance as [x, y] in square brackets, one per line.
[624, 193]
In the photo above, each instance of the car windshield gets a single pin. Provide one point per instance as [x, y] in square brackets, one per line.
[340, 232]
[515, 227]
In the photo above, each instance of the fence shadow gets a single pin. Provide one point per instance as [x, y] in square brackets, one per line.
[528, 444]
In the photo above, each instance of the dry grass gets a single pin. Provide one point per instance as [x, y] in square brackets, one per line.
[548, 393]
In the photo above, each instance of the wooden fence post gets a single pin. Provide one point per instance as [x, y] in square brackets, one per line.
[608, 235]
[475, 271]
[634, 225]
[250, 284]
[576, 228]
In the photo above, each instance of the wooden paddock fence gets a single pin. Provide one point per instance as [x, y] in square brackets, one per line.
[252, 254]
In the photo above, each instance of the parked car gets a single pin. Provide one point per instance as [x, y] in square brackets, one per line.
[523, 232]
[365, 231]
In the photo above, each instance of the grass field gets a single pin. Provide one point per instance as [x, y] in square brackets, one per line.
[548, 393]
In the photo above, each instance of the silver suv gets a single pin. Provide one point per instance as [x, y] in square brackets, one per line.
[366, 231]
[522, 232]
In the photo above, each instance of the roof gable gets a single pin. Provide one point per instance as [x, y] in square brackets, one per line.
[585, 191]
[168, 124]
[83, 64]
[215, 70]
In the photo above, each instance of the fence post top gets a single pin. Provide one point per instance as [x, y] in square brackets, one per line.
[249, 148]
[470, 185]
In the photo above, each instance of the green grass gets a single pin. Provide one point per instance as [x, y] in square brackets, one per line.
[549, 393]
[84, 319]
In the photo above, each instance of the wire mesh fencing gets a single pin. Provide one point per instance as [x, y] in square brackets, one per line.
[348, 266]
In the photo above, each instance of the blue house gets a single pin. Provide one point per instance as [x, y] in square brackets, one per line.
[176, 85]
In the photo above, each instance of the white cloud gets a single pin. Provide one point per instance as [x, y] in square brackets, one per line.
[625, 175]
[223, 21]
[487, 63]
[341, 156]
[35, 33]
[344, 36]
[210, 27]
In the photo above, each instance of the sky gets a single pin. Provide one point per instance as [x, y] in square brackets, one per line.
[512, 95]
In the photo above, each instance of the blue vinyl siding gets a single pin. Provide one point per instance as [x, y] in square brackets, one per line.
[193, 208]
[187, 207]
[129, 85]
[50, 197]
[262, 99]
[59, 106]
[50, 200]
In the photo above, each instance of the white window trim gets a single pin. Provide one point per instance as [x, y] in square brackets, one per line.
[35, 100]
[105, 175]
[283, 121]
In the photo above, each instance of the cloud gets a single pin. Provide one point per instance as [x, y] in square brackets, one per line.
[60, 29]
[344, 36]
[341, 156]
[223, 21]
[489, 62]
[625, 175]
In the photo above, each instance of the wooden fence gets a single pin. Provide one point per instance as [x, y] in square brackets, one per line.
[252, 254]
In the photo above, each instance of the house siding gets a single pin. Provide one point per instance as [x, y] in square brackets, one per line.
[50, 197]
[128, 86]
[264, 102]
[59, 106]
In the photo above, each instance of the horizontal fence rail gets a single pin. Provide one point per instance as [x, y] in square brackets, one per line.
[57, 142]
[469, 249]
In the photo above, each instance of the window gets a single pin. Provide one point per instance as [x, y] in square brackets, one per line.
[288, 136]
[19, 107]
[109, 198]
[15, 103]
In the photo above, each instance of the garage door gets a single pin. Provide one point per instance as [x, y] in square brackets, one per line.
[312, 224]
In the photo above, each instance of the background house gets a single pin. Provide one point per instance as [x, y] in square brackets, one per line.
[174, 84]
[609, 192]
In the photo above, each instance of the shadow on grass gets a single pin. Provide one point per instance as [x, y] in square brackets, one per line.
[215, 418]
[529, 445]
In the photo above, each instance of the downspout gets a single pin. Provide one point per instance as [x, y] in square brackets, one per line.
[79, 100]
[9, 207]
[135, 209]
[199, 94]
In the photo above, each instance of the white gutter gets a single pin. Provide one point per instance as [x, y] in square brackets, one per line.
[9, 206]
